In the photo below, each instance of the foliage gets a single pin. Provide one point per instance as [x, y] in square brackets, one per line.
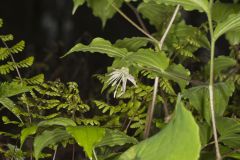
[51, 114]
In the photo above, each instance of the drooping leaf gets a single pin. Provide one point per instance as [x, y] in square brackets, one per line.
[103, 8]
[132, 44]
[157, 14]
[229, 130]
[87, 137]
[205, 133]
[115, 137]
[199, 98]
[27, 132]
[178, 74]
[221, 63]
[48, 138]
[58, 121]
[200, 5]
[76, 4]
[180, 136]
[230, 24]
[11, 106]
[149, 59]
[12, 89]
[99, 45]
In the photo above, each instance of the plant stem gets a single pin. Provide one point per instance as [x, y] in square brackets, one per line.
[95, 155]
[155, 89]
[138, 17]
[54, 155]
[134, 24]
[211, 84]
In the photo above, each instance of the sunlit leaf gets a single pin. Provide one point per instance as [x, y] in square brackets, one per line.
[76, 4]
[180, 136]
[87, 137]
[58, 121]
[27, 132]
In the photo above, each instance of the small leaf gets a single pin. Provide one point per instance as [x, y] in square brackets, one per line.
[229, 130]
[115, 137]
[221, 63]
[27, 132]
[180, 136]
[199, 98]
[133, 43]
[48, 138]
[230, 24]
[76, 4]
[11, 106]
[99, 45]
[58, 121]
[12, 89]
[103, 8]
[87, 137]
[189, 5]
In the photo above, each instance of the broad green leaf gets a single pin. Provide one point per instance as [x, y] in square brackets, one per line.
[133, 43]
[205, 133]
[115, 137]
[221, 63]
[87, 137]
[230, 24]
[221, 11]
[233, 37]
[48, 138]
[12, 89]
[199, 98]
[58, 121]
[229, 130]
[99, 45]
[200, 5]
[148, 58]
[157, 14]
[76, 4]
[180, 136]
[178, 74]
[27, 132]
[103, 8]
[11, 106]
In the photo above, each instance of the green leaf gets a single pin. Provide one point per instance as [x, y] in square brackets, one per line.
[221, 63]
[229, 130]
[76, 4]
[180, 136]
[149, 59]
[27, 132]
[11, 106]
[189, 5]
[205, 133]
[87, 137]
[157, 14]
[133, 43]
[12, 89]
[99, 45]
[115, 137]
[58, 121]
[103, 9]
[48, 138]
[178, 74]
[199, 98]
[230, 24]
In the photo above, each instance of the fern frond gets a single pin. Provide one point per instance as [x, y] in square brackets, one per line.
[38, 79]
[166, 86]
[17, 47]
[25, 63]
[7, 68]
[5, 38]
[87, 121]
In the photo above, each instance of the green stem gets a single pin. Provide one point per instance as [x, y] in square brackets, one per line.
[155, 89]
[211, 85]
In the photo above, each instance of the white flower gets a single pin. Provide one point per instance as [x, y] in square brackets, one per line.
[119, 76]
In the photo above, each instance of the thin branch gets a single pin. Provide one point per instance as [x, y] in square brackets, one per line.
[54, 155]
[134, 24]
[211, 85]
[151, 108]
[138, 17]
[95, 155]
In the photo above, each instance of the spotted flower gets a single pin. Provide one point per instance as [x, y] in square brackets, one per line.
[120, 76]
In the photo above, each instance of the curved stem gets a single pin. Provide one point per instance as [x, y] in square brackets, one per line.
[155, 89]
[134, 24]
[211, 85]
